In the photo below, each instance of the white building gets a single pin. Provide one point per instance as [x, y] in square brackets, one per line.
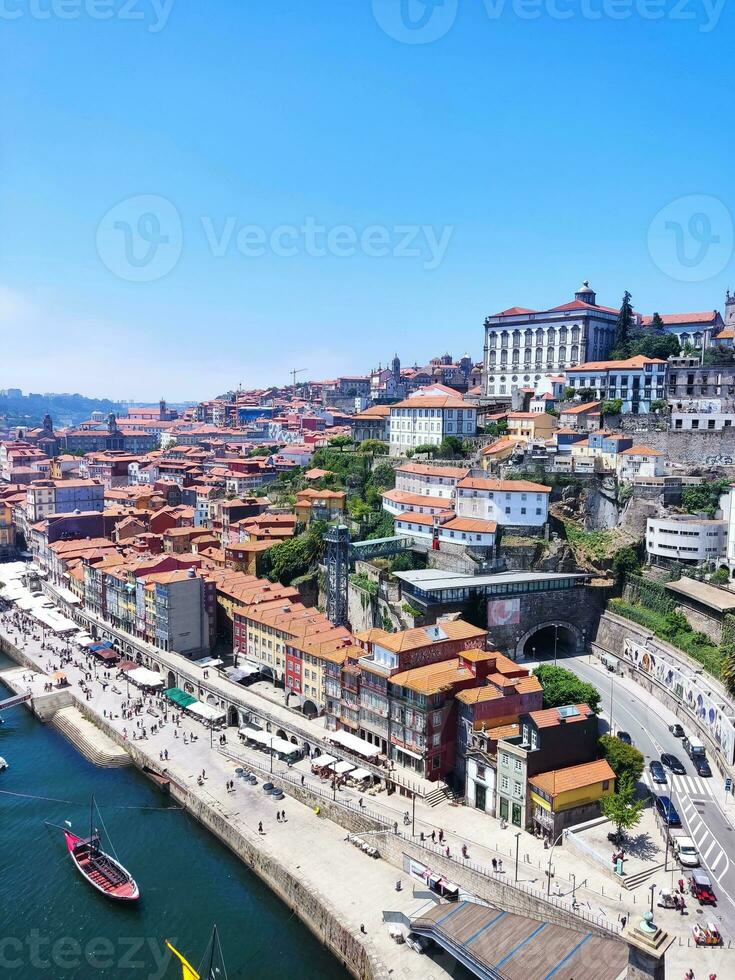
[519, 503]
[399, 501]
[427, 416]
[522, 345]
[447, 529]
[684, 537]
[704, 420]
[429, 481]
[637, 381]
[640, 461]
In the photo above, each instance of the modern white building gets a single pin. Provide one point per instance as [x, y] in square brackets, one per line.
[522, 345]
[637, 381]
[519, 503]
[702, 420]
[685, 537]
[427, 416]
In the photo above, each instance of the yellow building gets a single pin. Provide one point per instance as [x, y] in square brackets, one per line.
[497, 452]
[7, 530]
[527, 426]
[323, 505]
[569, 796]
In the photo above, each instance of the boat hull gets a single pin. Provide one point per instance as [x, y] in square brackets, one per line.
[102, 871]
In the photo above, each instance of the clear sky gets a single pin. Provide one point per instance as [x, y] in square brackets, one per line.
[195, 194]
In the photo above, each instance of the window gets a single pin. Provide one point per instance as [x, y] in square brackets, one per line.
[503, 758]
[504, 783]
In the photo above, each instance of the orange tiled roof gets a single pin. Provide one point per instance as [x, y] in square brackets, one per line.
[573, 777]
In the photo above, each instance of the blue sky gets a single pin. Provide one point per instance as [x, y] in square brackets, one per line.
[511, 157]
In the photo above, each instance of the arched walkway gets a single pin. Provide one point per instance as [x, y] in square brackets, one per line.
[280, 733]
[232, 719]
[171, 679]
[554, 638]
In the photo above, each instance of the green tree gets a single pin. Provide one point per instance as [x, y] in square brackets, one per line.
[624, 325]
[340, 442]
[451, 446]
[625, 760]
[498, 428]
[374, 446]
[569, 393]
[426, 448]
[660, 405]
[563, 687]
[625, 561]
[622, 809]
[720, 577]
[612, 406]
[586, 394]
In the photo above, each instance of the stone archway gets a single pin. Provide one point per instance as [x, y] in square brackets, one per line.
[280, 733]
[539, 642]
[171, 679]
[309, 709]
[233, 720]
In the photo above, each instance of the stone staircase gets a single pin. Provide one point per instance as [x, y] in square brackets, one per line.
[631, 882]
[439, 795]
[94, 745]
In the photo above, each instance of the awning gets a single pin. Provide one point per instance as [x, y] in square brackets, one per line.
[179, 697]
[342, 767]
[145, 678]
[256, 735]
[107, 654]
[282, 746]
[207, 712]
[209, 662]
[360, 774]
[127, 665]
[240, 673]
[323, 760]
[354, 744]
[99, 647]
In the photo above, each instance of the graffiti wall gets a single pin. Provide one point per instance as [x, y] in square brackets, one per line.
[693, 691]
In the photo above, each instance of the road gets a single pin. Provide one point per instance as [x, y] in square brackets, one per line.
[698, 800]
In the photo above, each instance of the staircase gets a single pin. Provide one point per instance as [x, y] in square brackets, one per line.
[635, 881]
[439, 795]
[94, 745]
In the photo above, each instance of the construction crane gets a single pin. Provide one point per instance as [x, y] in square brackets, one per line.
[295, 372]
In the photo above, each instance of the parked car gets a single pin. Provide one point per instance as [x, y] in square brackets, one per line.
[701, 887]
[687, 853]
[625, 737]
[672, 763]
[676, 730]
[667, 811]
[657, 771]
[702, 766]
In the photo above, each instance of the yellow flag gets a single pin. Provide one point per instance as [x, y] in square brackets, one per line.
[187, 970]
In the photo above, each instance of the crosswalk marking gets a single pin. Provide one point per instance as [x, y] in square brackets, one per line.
[709, 850]
[720, 856]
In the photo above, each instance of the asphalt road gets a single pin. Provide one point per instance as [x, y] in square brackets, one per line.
[694, 797]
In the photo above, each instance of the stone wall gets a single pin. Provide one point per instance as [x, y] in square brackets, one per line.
[700, 448]
[495, 889]
[611, 635]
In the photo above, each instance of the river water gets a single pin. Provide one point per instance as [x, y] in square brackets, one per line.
[56, 926]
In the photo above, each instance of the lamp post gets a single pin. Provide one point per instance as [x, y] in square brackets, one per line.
[652, 890]
[556, 640]
[574, 887]
[413, 816]
[612, 701]
[551, 854]
[518, 835]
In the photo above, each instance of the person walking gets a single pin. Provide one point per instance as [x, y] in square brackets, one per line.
[495, 864]
[260, 827]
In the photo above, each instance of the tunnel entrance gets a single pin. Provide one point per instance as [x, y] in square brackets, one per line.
[554, 638]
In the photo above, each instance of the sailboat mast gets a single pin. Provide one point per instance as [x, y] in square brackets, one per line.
[210, 973]
[91, 821]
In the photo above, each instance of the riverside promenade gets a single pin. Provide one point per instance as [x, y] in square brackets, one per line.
[311, 847]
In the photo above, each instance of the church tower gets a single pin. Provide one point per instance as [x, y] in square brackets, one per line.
[730, 310]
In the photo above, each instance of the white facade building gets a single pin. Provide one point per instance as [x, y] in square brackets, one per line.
[522, 345]
[429, 481]
[686, 538]
[515, 502]
[637, 381]
[639, 461]
[448, 529]
[427, 416]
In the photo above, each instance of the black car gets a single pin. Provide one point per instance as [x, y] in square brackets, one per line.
[657, 771]
[672, 763]
[667, 811]
[625, 737]
[676, 730]
[702, 766]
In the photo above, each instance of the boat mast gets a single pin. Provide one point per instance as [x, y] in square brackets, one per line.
[210, 972]
[91, 821]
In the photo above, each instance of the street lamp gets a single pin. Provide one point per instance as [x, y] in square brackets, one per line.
[574, 887]
[517, 843]
[551, 854]
[612, 701]
[652, 890]
[413, 816]
[556, 640]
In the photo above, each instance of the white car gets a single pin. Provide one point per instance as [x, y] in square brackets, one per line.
[687, 852]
